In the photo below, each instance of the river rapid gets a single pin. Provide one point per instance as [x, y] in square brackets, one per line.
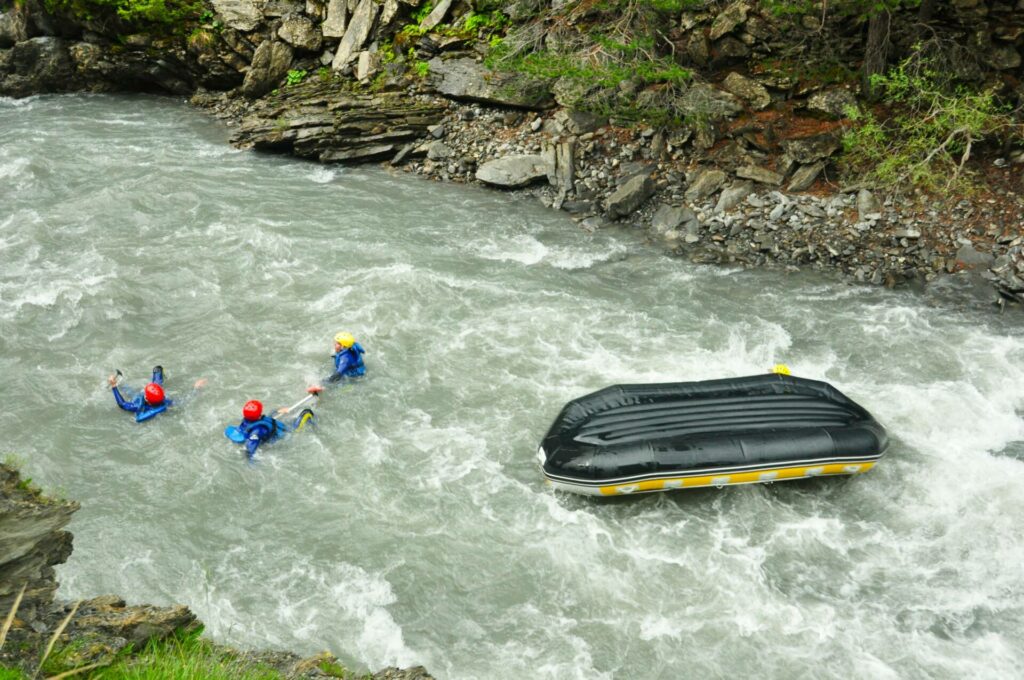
[413, 526]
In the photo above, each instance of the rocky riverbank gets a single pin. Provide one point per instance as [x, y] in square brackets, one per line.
[744, 171]
[729, 210]
[103, 629]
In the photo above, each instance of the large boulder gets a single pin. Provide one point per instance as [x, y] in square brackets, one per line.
[468, 80]
[671, 217]
[37, 65]
[269, 65]
[337, 19]
[704, 102]
[13, 27]
[750, 91]
[705, 184]
[759, 174]
[808, 150]
[732, 196]
[512, 172]
[832, 103]
[805, 176]
[243, 15]
[299, 32]
[630, 196]
[733, 15]
[356, 34]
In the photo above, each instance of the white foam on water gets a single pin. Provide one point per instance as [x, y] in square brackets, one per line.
[27, 103]
[325, 175]
[13, 168]
[528, 249]
[363, 597]
[521, 248]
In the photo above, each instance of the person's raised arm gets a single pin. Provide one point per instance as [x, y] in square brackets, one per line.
[130, 406]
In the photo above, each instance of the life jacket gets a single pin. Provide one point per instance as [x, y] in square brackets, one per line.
[356, 366]
[266, 428]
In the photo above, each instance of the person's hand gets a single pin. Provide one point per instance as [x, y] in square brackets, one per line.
[201, 383]
[314, 389]
[281, 411]
[112, 380]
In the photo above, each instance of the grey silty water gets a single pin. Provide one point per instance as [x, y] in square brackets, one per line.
[413, 526]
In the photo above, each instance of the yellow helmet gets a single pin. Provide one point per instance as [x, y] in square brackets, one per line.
[781, 369]
[346, 340]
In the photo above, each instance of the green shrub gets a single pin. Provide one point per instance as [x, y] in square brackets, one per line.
[935, 125]
[166, 15]
[485, 24]
[296, 76]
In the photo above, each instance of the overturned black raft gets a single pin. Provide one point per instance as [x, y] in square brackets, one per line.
[763, 428]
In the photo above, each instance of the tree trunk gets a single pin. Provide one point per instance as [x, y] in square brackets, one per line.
[877, 48]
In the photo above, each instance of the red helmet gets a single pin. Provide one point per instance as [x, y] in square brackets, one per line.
[252, 410]
[153, 394]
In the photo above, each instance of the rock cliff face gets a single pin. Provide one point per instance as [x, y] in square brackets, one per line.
[323, 123]
[33, 541]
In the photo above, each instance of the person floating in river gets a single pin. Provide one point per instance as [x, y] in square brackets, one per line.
[151, 401]
[257, 428]
[348, 359]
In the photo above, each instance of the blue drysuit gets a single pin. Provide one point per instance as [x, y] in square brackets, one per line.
[256, 432]
[266, 429]
[138, 405]
[348, 363]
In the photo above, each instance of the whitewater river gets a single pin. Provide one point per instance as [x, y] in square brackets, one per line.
[413, 526]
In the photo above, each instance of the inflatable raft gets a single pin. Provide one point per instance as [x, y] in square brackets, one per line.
[639, 438]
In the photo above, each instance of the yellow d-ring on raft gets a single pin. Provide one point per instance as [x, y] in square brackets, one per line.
[781, 369]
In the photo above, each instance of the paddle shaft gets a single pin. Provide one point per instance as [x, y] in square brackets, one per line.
[299, 403]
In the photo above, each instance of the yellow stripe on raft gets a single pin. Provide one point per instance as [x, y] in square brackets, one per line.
[736, 478]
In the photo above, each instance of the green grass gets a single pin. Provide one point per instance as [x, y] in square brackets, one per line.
[183, 656]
